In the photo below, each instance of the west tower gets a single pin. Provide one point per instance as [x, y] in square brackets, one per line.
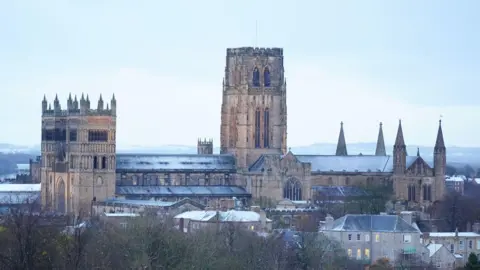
[254, 104]
[78, 154]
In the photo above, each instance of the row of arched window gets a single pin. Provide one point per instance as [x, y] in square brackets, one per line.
[262, 126]
[256, 77]
[412, 194]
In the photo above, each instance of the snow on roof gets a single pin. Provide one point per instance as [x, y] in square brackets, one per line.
[432, 248]
[121, 215]
[455, 178]
[23, 166]
[20, 187]
[452, 234]
[228, 216]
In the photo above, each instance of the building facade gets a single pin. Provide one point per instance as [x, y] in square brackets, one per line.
[458, 243]
[79, 163]
[77, 154]
[368, 238]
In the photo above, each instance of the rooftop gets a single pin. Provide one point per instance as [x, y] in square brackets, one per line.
[340, 191]
[224, 216]
[456, 178]
[20, 187]
[372, 223]
[352, 163]
[121, 214]
[160, 162]
[432, 248]
[452, 234]
[175, 191]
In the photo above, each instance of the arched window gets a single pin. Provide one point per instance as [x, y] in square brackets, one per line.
[257, 128]
[95, 162]
[411, 193]
[266, 127]
[104, 162]
[266, 77]
[61, 199]
[292, 190]
[427, 192]
[256, 77]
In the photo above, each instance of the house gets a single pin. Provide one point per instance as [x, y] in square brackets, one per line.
[455, 183]
[289, 214]
[458, 243]
[370, 237]
[440, 257]
[254, 220]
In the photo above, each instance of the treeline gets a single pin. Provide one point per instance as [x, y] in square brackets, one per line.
[148, 243]
[457, 211]
[9, 161]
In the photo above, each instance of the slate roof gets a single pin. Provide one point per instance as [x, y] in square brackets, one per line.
[372, 223]
[172, 163]
[115, 201]
[225, 216]
[20, 187]
[18, 197]
[186, 191]
[332, 163]
[340, 191]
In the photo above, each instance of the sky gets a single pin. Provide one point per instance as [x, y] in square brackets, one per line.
[360, 62]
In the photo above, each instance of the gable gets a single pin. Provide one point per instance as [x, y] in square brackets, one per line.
[419, 167]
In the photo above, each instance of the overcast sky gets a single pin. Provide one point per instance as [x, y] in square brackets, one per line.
[360, 62]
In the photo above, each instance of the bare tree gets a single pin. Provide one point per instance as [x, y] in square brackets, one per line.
[25, 241]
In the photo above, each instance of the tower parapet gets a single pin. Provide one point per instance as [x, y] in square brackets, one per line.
[78, 107]
[251, 51]
[204, 146]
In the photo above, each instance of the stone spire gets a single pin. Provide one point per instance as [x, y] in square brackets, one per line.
[380, 150]
[439, 144]
[399, 152]
[100, 103]
[399, 141]
[44, 104]
[341, 145]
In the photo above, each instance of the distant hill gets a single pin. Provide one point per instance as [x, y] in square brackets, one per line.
[456, 156]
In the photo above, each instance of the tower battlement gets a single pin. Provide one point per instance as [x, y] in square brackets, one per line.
[204, 146]
[78, 107]
[251, 51]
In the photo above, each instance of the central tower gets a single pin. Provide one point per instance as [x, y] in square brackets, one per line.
[254, 104]
[78, 154]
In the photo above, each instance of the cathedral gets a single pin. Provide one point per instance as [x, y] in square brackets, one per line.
[80, 166]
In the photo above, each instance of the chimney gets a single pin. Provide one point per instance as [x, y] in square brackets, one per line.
[434, 228]
[255, 208]
[407, 216]
[469, 227]
[476, 227]
[328, 222]
[181, 224]
[263, 220]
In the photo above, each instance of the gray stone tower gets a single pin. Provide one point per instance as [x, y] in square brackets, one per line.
[205, 147]
[78, 154]
[254, 107]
